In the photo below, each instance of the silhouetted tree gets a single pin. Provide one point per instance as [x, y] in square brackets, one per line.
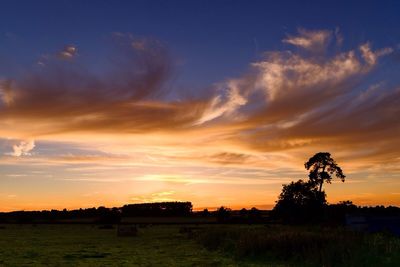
[347, 204]
[158, 209]
[254, 215]
[108, 216]
[322, 167]
[223, 214]
[205, 213]
[300, 202]
[243, 212]
[336, 213]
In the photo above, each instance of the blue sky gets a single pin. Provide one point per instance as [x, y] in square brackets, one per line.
[209, 39]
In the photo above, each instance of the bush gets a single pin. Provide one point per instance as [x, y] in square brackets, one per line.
[300, 202]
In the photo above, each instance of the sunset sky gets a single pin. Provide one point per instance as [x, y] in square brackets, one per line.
[104, 103]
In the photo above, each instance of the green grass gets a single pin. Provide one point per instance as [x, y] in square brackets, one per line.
[229, 245]
[303, 246]
[86, 245]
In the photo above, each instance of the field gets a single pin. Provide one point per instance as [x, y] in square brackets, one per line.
[87, 245]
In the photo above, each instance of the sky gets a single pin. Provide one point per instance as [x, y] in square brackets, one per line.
[105, 103]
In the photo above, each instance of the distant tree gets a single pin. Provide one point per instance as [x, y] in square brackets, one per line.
[300, 202]
[336, 213]
[243, 212]
[223, 214]
[205, 213]
[254, 214]
[347, 203]
[322, 167]
[108, 216]
[158, 209]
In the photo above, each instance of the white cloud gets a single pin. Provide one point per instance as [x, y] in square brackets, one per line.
[23, 148]
[309, 39]
[369, 56]
[284, 77]
[68, 52]
[225, 103]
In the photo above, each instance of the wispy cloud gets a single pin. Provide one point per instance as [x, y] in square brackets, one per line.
[130, 98]
[311, 40]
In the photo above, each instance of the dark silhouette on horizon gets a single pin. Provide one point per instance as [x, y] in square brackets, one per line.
[299, 202]
[157, 209]
[305, 201]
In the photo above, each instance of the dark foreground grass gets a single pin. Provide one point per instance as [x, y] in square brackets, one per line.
[302, 246]
[230, 245]
[87, 245]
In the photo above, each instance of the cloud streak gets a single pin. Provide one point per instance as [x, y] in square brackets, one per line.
[130, 98]
[315, 40]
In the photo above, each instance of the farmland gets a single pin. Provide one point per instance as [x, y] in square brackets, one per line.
[212, 245]
[87, 245]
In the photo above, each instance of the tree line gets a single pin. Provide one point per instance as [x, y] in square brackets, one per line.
[100, 214]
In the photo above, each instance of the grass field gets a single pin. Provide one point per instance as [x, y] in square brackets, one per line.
[87, 245]
[311, 245]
